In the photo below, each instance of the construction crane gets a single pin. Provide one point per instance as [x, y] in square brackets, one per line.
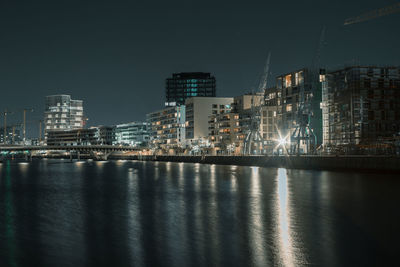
[253, 138]
[24, 129]
[374, 14]
[303, 133]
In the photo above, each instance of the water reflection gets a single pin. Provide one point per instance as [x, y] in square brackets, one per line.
[289, 253]
[233, 180]
[135, 228]
[23, 168]
[9, 218]
[176, 214]
[257, 227]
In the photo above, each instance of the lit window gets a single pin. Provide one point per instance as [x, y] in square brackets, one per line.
[288, 80]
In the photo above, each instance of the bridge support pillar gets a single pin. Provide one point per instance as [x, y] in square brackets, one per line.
[79, 155]
[70, 156]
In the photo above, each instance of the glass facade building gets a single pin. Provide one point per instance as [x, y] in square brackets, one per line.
[188, 84]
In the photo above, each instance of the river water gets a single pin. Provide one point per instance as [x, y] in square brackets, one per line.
[132, 213]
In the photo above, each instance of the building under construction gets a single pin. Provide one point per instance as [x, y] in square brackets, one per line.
[12, 133]
[361, 109]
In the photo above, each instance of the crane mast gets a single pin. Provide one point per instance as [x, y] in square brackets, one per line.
[303, 135]
[253, 143]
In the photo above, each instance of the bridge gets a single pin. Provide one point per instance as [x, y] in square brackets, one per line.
[96, 151]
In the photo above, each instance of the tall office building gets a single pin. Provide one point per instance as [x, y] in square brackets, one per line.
[63, 113]
[188, 84]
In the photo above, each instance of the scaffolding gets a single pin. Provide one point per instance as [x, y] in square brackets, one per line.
[361, 109]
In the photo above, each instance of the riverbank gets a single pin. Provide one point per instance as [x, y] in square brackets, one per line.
[331, 163]
[337, 163]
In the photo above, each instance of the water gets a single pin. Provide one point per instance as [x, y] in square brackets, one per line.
[127, 213]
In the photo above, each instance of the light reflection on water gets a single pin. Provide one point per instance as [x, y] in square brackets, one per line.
[257, 226]
[284, 233]
[127, 213]
[10, 240]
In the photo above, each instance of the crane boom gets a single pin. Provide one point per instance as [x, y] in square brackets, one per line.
[253, 142]
[264, 78]
[374, 14]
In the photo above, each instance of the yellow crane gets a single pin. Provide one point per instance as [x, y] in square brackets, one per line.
[374, 14]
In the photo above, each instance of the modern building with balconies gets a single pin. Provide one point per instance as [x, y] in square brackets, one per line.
[63, 113]
[167, 129]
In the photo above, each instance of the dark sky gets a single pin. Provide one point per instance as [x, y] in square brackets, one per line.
[115, 55]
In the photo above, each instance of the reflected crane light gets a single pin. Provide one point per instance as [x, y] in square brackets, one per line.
[257, 228]
[283, 211]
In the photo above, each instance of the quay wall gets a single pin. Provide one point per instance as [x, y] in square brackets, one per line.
[339, 163]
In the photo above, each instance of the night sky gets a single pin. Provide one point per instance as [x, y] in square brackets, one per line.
[115, 55]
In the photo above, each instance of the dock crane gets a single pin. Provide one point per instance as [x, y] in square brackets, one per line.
[24, 121]
[253, 138]
[373, 14]
[303, 133]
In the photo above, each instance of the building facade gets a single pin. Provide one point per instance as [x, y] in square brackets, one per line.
[198, 112]
[225, 133]
[101, 135]
[300, 91]
[167, 128]
[132, 133]
[188, 84]
[63, 113]
[12, 135]
[361, 106]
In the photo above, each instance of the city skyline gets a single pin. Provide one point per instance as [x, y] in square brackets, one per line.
[119, 56]
[199, 133]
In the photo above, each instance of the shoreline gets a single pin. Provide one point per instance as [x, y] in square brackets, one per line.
[385, 164]
[329, 163]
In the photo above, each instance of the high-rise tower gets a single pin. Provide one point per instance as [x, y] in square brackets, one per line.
[188, 84]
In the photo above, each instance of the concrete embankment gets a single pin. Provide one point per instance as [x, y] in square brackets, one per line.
[339, 163]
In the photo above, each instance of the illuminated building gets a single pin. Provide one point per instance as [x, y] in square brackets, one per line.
[188, 84]
[101, 135]
[13, 135]
[198, 111]
[225, 133]
[132, 133]
[167, 128]
[361, 107]
[63, 113]
[289, 87]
